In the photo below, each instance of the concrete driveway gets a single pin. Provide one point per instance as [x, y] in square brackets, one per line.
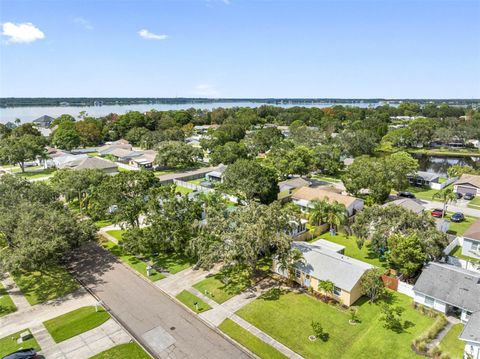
[163, 326]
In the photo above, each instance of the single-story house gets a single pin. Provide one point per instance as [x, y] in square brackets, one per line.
[97, 163]
[304, 196]
[474, 143]
[471, 336]
[407, 203]
[467, 183]
[65, 159]
[422, 178]
[471, 241]
[217, 174]
[448, 289]
[43, 121]
[122, 154]
[112, 146]
[288, 186]
[144, 159]
[322, 262]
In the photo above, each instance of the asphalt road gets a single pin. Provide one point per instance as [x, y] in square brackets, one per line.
[162, 325]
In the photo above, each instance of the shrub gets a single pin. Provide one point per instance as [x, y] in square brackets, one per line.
[319, 331]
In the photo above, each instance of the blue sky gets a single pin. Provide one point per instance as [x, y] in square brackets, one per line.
[240, 48]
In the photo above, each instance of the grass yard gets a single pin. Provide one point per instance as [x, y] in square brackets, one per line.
[423, 193]
[132, 261]
[9, 344]
[451, 345]
[461, 227]
[117, 233]
[365, 254]
[6, 303]
[474, 203]
[249, 341]
[129, 350]
[287, 317]
[173, 262]
[103, 223]
[37, 174]
[226, 284]
[197, 181]
[76, 322]
[122, 169]
[39, 287]
[189, 300]
[183, 190]
[457, 252]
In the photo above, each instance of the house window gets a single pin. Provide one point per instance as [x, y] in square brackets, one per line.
[429, 301]
[476, 246]
[337, 291]
[298, 273]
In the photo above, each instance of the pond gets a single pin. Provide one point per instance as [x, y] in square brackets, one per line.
[440, 164]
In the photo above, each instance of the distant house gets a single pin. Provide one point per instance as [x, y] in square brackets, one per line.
[467, 183]
[43, 121]
[471, 241]
[216, 175]
[422, 178]
[287, 187]
[109, 148]
[322, 262]
[407, 203]
[96, 163]
[63, 159]
[474, 143]
[448, 289]
[145, 159]
[304, 196]
[471, 336]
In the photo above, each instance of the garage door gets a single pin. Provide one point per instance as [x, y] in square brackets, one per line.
[464, 189]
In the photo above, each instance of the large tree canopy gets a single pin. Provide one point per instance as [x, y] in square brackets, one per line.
[18, 150]
[176, 154]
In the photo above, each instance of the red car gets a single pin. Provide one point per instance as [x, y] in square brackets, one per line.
[437, 213]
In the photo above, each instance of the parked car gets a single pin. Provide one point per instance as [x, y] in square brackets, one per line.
[469, 196]
[406, 194]
[22, 354]
[437, 213]
[457, 217]
[459, 195]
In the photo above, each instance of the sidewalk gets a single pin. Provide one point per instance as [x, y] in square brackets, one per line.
[35, 315]
[183, 280]
[15, 294]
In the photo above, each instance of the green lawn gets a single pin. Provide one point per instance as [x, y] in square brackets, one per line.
[132, 261]
[250, 341]
[451, 345]
[183, 190]
[76, 322]
[9, 344]
[116, 233]
[39, 287]
[422, 192]
[474, 203]
[123, 351]
[351, 249]
[197, 181]
[287, 317]
[36, 174]
[121, 169]
[173, 262]
[189, 300]
[457, 252]
[6, 303]
[461, 227]
[227, 283]
[103, 223]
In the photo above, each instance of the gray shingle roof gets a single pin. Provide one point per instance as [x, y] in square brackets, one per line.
[291, 183]
[408, 204]
[471, 332]
[95, 163]
[325, 264]
[450, 284]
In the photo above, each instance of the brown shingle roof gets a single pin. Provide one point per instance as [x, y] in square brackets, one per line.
[473, 231]
[310, 194]
[468, 178]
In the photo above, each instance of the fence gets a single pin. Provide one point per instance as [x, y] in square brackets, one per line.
[439, 186]
[199, 188]
[406, 289]
[462, 263]
[458, 241]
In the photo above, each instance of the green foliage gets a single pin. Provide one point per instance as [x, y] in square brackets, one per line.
[66, 136]
[228, 153]
[18, 150]
[406, 253]
[457, 170]
[250, 180]
[372, 285]
[176, 154]
[287, 158]
[326, 285]
[319, 332]
[392, 316]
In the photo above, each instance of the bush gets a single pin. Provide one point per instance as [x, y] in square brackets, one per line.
[319, 331]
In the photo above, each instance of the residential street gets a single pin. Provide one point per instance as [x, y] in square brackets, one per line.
[162, 325]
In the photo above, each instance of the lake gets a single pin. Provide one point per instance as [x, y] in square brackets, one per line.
[440, 164]
[28, 114]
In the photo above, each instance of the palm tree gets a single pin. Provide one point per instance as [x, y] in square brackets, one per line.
[317, 213]
[289, 261]
[326, 286]
[335, 216]
[446, 195]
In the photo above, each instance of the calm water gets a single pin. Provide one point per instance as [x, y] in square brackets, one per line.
[440, 164]
[27, 114]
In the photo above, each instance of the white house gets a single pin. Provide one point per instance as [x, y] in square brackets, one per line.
[448, 289]
[216, 175]
[304, 196]
[471, 336]
[471, 241]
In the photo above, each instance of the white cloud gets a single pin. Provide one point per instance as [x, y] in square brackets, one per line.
[83, 22]
[21, 33]
[144, 33]
[206, 90]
